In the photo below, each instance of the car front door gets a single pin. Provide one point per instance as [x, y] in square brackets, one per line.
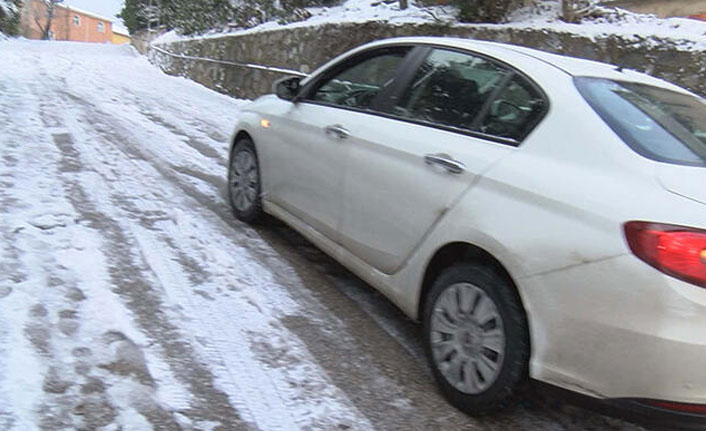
[307, 168]
[406, 169]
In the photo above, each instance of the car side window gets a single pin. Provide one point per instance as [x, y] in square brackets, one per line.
[514, 111]
[450, 88]
[357, 85]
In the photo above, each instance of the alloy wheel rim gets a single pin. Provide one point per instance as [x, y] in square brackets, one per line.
[243, 180]
[467, 338]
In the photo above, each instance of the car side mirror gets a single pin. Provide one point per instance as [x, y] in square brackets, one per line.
[287, 88]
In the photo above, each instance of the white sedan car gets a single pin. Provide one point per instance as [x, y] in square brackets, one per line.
[543, 216]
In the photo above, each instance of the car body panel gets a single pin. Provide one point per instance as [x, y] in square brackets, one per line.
[648, 341]
[392, 197]
[687, 181]
[306, 166]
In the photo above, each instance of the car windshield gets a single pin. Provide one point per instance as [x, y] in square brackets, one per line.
[660, 124]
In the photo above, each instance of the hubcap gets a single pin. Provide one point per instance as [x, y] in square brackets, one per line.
[243, 180]
[467, 338]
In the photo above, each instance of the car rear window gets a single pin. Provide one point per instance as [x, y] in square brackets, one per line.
[660, 124]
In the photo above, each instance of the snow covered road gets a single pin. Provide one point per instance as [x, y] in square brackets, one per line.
[131, 299]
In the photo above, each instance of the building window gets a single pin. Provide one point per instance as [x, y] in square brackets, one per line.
[101, 27]
[77, 20]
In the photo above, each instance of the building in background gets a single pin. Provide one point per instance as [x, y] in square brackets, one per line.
[120, 36]
[68, 23]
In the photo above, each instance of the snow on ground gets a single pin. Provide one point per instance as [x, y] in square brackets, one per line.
[104, 256]
[686, 34]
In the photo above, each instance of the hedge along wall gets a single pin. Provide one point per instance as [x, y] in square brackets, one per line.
[305, 48]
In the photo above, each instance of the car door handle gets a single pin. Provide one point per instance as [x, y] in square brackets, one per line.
[445, 161]
[337, 131]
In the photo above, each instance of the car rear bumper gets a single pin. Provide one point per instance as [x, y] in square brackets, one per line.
[662, 413]
[639, 411]
[618, 329]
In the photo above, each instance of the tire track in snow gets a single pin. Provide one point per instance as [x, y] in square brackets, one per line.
[12, 272]
[195, 143]
[296, 403]
[126, 271]
[45, 305]
[128, 274]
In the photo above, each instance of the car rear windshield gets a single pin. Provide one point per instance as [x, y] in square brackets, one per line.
[660, 124]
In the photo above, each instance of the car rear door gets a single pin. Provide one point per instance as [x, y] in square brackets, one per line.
[457, 115]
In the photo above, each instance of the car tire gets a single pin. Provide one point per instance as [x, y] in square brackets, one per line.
[488, 330]
[244, 185]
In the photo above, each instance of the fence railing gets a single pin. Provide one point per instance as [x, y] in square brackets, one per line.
[231, 63]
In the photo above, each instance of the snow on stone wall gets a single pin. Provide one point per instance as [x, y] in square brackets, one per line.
[304, 48]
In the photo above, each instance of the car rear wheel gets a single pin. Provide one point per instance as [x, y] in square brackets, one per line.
[244, 187]
[476, 337]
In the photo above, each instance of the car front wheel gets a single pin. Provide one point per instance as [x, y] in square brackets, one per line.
[476, 337]
[244, 187]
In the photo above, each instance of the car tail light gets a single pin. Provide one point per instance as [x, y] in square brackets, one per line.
[675, 250]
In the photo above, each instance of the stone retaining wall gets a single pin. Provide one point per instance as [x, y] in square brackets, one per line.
[305, 48]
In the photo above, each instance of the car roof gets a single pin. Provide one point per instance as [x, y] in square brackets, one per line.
[507, 52]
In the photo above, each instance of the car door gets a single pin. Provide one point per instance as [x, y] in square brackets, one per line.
[308, 167]
[406, 169]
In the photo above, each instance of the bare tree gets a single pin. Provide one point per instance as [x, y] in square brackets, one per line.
[50, 6]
